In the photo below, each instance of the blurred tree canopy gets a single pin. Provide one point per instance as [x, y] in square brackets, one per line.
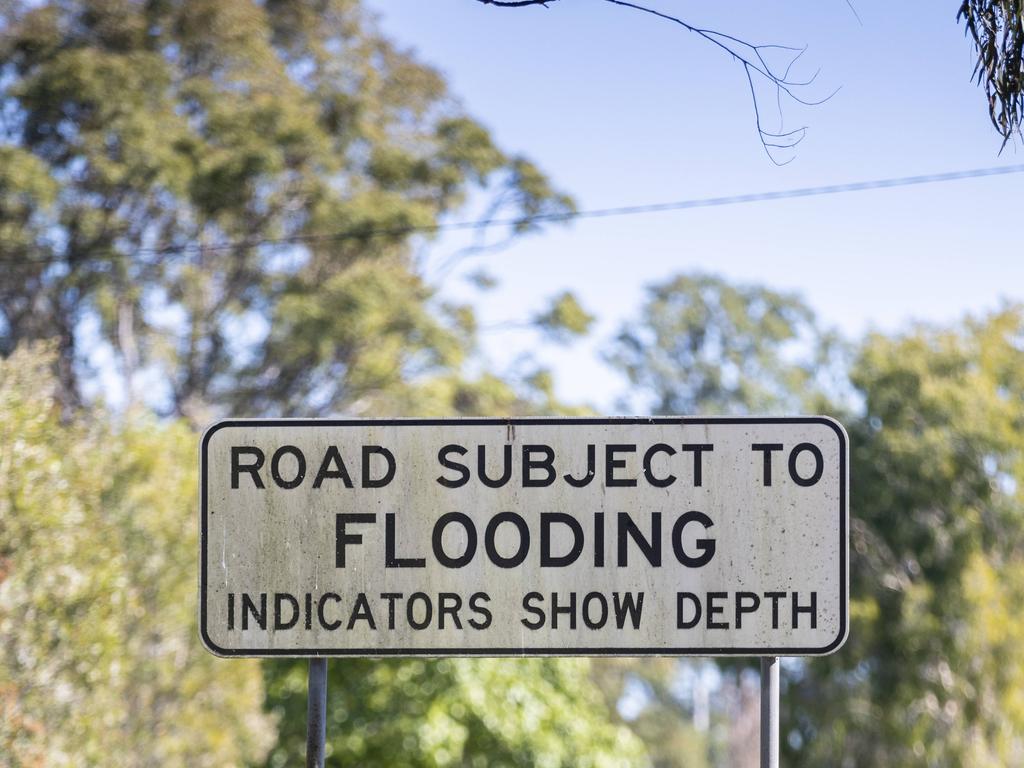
[933, 671]
[222, 194]
[222, 199]
[565, 318]
[704, 345]
[484, 713]
[99, 663]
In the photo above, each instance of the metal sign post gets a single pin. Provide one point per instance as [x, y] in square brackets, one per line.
[769, 712]
[316, 717]
[668, 536]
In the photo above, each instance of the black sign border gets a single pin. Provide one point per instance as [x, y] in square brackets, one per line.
[844, 598]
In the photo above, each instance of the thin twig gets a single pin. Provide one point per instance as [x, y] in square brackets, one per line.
[751, 56]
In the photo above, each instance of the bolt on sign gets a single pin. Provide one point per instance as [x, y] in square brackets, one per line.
[672, 536]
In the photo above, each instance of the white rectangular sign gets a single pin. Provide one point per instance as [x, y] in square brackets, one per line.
[668, 536]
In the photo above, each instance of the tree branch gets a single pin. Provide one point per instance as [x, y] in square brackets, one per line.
[997, 30]
[515, 3]
[756, 67]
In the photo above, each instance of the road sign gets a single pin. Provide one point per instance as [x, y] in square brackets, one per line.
[667, 536]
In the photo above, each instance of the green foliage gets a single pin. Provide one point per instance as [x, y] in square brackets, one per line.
[565, 318]
[703, 345]
[663, 721]
[26, 192]
[933, 672]
[456, 712]
[177, 173]
[99, 664]
[997, 29]
[208, 154]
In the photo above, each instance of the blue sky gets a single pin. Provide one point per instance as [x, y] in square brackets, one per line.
[621, 108]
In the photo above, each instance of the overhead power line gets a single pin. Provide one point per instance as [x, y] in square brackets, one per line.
[830, 189]
[596, 213]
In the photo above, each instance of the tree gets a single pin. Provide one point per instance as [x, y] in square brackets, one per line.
[997, 29]
[702, 345]
[458, 712]
[565, 318]
[646, 694]
[995, 26]
[507, 713]
[933, 672]
[766, 67]
[99, 663]
[226, 195]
